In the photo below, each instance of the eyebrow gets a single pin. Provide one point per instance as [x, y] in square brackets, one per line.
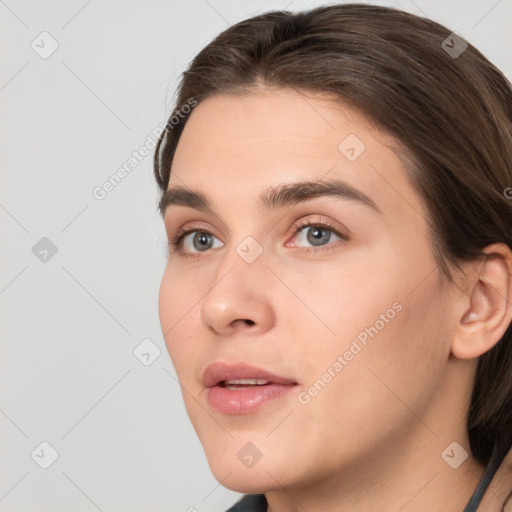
[274, 197]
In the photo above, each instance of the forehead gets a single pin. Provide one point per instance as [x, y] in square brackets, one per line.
[280, 121]
[241, 144]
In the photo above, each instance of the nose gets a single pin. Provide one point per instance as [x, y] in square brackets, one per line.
[239, 300]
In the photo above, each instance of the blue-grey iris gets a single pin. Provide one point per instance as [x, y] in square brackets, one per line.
[318, 235]
[202, 241]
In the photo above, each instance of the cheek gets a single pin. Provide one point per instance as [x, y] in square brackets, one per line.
[179, 293]
[176, 308]
[385, 316]
[357, 297]
[403, 357]
[377, 381]
[167, 300]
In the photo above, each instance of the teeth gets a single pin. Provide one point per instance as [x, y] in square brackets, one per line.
[246, 382]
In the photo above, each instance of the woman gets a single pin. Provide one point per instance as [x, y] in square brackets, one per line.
[337, 300]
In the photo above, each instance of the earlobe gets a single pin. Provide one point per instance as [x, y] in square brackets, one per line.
[489, 312]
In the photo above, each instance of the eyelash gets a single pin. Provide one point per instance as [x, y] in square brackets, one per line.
[182, 233]
[177, 239]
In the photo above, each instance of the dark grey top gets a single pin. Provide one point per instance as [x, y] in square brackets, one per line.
[250, 503]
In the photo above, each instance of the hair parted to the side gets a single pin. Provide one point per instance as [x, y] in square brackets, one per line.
[453, 117]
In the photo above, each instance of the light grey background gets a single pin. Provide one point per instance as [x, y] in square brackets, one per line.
[70, 324]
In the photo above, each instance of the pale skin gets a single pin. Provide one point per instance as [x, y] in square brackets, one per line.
[372, 439]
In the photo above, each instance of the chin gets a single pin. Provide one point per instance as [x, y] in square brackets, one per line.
[246, 481]
[242, 467]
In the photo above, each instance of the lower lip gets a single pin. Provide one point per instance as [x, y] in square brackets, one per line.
[245, 400]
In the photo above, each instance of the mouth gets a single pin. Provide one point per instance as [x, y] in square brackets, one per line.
[243, 389]
[243, 383]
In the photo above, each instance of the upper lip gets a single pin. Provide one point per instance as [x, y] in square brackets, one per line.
[216, 373]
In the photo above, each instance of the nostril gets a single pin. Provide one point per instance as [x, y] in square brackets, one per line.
[249, 322]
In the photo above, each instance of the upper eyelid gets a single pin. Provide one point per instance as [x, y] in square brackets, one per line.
[336, 226]
[302, 222]
[208, 218]
[184, 232]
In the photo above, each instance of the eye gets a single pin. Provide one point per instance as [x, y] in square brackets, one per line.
[194, 241]
[315, 234]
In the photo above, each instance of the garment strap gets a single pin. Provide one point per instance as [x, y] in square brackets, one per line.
[501, 448]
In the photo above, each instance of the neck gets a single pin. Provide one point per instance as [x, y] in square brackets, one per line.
[409, 482]
[410, 472]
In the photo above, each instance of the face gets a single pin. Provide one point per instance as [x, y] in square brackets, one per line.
[302, 297]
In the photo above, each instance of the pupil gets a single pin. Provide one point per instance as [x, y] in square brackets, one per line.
[318, 236]
[201, 241]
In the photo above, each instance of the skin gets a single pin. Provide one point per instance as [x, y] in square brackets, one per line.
[372, 438]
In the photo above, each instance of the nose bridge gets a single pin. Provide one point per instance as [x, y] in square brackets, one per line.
[245, 258]
[239, 292]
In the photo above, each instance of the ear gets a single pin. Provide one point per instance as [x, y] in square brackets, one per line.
[488, 312]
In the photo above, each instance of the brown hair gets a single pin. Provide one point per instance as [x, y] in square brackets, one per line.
[451, 111]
